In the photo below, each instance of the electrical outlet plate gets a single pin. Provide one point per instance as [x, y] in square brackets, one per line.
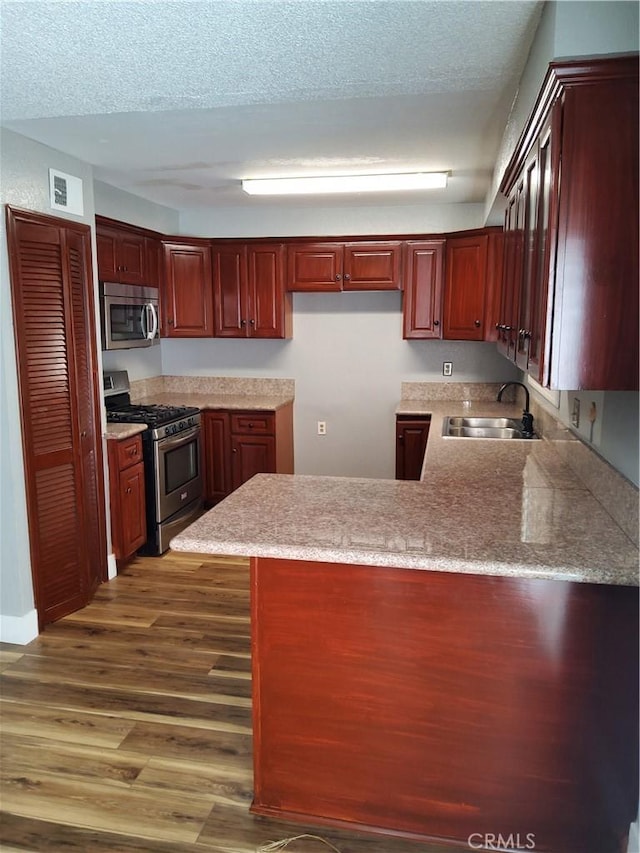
[322, 427]
[575, 412]
[447, 368]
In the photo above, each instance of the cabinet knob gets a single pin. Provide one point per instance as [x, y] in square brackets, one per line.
[235, 450]
[243, 322]
[400, 438]
[436, 322]
[129, 490]
[338, 276]
[83, 434]
[250, 425]
[252, 322]
[347, 277]
[477, 323]
[170, 321]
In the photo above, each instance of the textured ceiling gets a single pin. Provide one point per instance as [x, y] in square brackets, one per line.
[177, 101]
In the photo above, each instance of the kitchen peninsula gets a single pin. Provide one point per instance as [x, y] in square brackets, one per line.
[446, 657]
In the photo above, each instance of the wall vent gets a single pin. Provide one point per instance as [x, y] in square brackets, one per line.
[65, 192]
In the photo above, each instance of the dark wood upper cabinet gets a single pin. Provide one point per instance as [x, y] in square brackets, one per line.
[314, 266]
[249, 295]
[422, 299]
[122, 254]
[188, 290]
[355, 265]
[465, 289]
[570, 287]
[60, 398]
[153, 248]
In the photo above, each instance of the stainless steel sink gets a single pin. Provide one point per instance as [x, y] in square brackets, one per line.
[504, 428]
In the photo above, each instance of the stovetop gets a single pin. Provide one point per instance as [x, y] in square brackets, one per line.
[153, 415]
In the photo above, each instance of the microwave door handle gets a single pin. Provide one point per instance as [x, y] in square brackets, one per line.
[154, 321]
[143, 322]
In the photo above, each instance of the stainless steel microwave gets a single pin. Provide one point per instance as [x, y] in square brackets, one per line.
[128, 315]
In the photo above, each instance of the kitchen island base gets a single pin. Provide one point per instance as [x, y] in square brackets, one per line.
[445, 706]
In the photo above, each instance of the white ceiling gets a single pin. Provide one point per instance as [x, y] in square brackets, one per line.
[177, 100]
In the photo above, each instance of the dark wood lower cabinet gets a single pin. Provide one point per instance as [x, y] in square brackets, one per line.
[60, 398]
[444, 706]
[412, 433]
[240, 444]
[127, 497]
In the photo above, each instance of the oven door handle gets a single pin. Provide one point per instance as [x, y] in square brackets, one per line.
[180, 438]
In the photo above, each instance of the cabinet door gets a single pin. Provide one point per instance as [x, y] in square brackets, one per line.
[230, 291]
[153, 262]
[512, 274]
[269, 308]
[106, 244]
[251, 454]
[411, 443]
[314, 266]
[422, 300]
[372, 266]
[188, 303]
[530, 200]
[132, 507]
[217, 462]
[132, 256]
[465, 288]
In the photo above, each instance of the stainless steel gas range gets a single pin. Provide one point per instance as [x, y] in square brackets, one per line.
[172, 454]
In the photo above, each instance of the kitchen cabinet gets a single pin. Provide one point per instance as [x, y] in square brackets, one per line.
[153, 248]
[60, 397]
[127, 496]
[354, 265]
[248, 291]
[422, 298]
[412, 432]
[465, 288]
[570, 285]
[241, 443]
[122, 254]
[188, 293]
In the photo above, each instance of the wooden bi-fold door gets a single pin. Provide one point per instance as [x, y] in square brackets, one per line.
[54, 320]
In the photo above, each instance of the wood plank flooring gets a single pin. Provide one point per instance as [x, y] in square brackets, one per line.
[127, 726]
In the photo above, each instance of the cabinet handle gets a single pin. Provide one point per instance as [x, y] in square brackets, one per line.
[436, 322]
[133, 451]
[477, 323]
[83, 434]
[524, 333]
[338, 276]
[129, 490]
[235, 450]
[400, 438]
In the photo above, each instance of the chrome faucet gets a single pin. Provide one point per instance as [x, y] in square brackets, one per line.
[527, 417]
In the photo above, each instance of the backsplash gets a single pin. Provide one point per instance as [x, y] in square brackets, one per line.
[472, 391]
[144, 388]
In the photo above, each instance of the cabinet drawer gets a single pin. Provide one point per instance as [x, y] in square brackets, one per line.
[129, 452]
[259, 423]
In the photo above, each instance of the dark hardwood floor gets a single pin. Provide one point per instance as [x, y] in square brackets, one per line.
[127, 726]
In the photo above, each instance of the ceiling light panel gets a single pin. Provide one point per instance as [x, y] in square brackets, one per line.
[346, 184]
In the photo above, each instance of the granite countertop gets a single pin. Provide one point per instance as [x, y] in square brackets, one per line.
[117, 432]
[511, 508]
[216, 400]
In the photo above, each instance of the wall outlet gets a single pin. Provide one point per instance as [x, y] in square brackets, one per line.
[447, 368]
[575, 412]
[322, 427]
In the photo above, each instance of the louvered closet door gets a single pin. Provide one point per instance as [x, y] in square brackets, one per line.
[53, 322]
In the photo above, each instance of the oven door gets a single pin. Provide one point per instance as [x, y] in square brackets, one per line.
[178, 465]
[128, 321]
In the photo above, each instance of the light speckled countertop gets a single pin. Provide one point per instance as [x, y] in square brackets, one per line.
[117, 432]
[510, 508]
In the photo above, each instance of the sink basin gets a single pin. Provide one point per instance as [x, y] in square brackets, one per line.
[501, 428]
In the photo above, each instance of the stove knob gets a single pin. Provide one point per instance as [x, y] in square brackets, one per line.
[167, 431]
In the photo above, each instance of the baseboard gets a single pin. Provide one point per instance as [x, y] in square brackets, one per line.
[112, 567]
[19, 629]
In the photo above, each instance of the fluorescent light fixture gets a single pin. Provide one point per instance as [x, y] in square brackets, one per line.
[346, 183]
